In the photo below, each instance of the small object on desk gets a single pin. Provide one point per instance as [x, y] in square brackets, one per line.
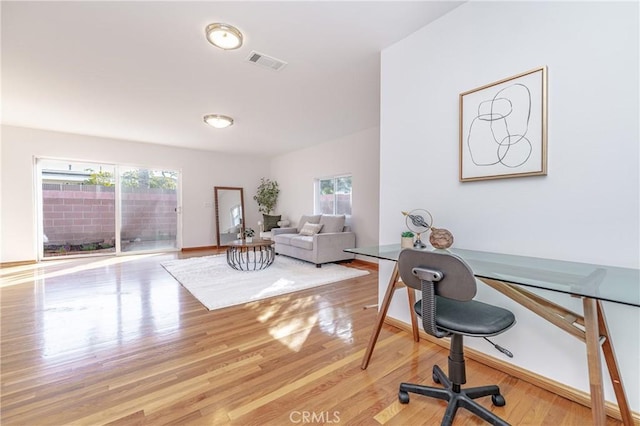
[406, 240]
[440, 238]
[418, 221]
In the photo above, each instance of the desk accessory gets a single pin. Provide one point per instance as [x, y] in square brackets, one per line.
[440, 238]
[418, 221]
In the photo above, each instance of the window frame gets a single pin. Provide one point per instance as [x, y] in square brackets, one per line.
[316, 193]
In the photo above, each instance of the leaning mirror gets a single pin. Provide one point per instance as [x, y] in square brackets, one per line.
[229, 213]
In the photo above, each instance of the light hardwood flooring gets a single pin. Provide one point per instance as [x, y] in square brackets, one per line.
[118, 341]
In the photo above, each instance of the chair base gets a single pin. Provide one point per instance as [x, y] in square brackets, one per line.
[456, 397]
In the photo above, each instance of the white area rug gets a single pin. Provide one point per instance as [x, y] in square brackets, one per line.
[216, 285]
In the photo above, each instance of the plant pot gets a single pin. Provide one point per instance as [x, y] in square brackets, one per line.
[249, 239]
[406, 242]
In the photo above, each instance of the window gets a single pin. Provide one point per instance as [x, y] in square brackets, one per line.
[333, 195]
[96, 208]
[236, 215]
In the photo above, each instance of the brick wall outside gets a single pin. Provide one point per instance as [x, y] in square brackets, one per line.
[81, 214]
[149, 214]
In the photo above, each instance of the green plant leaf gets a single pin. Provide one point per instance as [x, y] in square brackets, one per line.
[267, 195]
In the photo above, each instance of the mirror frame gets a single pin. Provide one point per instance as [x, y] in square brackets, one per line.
[217, 213]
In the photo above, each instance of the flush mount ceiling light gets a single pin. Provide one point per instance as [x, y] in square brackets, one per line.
[218, 121]
[224, 36]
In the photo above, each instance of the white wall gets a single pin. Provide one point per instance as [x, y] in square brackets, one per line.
[586, 209]
[1, 198]
[357, 154]
[201, 171]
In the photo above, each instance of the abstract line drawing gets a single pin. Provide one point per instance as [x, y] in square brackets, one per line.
[508, 111]
[503, 128]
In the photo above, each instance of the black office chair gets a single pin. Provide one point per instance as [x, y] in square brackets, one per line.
[448, 285]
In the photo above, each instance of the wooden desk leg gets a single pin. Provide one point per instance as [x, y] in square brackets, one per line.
[414, 323]
[382, 313]
[593, 359]
[612, 366]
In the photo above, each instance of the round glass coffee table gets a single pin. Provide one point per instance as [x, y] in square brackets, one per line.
[250, 256]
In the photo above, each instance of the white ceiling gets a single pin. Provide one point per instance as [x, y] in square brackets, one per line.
[143, 71]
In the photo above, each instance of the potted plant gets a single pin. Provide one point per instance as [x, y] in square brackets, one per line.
[248, 234]
[267, 195]
[407, 239]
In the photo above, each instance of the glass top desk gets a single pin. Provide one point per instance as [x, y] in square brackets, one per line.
[511, 274]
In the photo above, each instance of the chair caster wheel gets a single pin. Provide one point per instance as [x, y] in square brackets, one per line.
[498, 400]
[435, 377]
[403, 397]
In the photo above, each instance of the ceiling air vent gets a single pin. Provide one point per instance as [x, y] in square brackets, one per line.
[266, 61]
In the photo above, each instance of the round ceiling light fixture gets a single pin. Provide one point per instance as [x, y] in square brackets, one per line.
[218, 121]
[224, 36]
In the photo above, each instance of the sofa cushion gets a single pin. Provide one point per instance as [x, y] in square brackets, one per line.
[310, 229]
[269, 222]
[284, 238]
[332, 223]
[302, 242]
[310, 219]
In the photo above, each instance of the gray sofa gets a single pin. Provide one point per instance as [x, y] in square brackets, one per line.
[329, 238]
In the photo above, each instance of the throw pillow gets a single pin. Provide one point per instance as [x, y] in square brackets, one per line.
[332, 223]
[269, 222]
[305, 219]
[310, 229]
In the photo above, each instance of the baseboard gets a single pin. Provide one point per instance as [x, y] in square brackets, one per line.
[19, 263]
[364, 264]
[558, 388]
[187, 249]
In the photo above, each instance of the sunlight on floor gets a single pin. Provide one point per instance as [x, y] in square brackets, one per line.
[335, 321]
[55, 268]
[115, 309]
[293, 332]
[291, 328]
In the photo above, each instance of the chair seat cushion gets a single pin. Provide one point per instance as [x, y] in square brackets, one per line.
[472, 318]
[303, 242]
[284, 238]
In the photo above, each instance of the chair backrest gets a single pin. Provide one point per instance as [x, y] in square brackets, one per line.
[457, 280]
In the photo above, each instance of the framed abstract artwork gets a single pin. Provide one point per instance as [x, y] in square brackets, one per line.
[503, 128]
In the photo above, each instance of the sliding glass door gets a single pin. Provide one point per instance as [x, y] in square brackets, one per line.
[78, 208]
[149, 209]
[93, 208]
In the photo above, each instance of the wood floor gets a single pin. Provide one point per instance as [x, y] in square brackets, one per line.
[118, 341]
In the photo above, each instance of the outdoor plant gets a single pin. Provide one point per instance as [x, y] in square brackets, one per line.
[407, 234]
[267, 195]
